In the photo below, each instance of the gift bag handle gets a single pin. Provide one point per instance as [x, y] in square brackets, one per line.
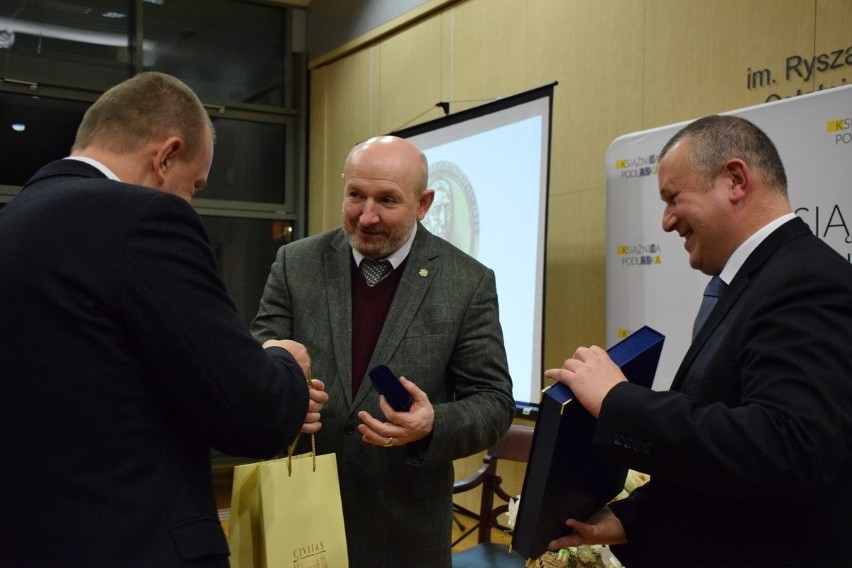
[292, 448]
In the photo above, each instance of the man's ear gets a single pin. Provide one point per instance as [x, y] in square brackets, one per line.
[739, 177]
[165, 155]
[425, 202]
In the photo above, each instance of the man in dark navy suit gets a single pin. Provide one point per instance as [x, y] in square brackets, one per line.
[749, 452]
[123, 359]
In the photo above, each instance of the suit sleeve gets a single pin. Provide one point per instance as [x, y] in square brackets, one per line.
[274, 319]
[484, 406]
[211, 373]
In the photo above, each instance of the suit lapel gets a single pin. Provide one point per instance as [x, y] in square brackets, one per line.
[338, 283]
[793, 229]
[420, 269]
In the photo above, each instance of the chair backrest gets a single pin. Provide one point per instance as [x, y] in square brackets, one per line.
[514, 446]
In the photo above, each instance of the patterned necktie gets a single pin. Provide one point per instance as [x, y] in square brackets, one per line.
[375, 270]
[714, 289]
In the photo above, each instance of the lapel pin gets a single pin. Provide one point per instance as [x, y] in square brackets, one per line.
[423, 272]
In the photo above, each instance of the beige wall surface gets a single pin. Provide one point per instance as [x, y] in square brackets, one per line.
[621, 66]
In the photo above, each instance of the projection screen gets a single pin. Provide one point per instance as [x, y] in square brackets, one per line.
[489, 167]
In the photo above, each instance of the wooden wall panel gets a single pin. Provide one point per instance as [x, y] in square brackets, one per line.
[410, 77]
[833, 33]
[317, 151]
[351, 115]
[487, 44]
[595, 53]
[699, 53]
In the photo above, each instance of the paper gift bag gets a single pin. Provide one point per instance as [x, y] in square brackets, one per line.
[288, 513]
[245, 530]
[303, 513]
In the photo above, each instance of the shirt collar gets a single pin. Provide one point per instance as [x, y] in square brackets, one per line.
[736, 261]
[96, 164]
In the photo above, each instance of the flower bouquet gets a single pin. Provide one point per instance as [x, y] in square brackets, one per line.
[586, 555]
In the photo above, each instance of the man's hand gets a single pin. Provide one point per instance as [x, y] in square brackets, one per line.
[602, 528]
[590, 375]
[402, 427]
[318, 398]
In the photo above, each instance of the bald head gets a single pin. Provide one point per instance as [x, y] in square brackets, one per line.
[395, 154]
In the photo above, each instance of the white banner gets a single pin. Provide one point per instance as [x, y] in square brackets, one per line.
[649, 281]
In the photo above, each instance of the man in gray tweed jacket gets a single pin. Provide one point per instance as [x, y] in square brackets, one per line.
[433, 320]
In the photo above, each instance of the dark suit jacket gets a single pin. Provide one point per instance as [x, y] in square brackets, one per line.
[123, 361]
[749, 454]
[442, 332]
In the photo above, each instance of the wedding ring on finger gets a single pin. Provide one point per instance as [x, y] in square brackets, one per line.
[391, 441]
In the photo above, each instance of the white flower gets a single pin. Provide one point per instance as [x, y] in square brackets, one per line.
[634, 480]
[587, 554]
[608, 559]
[513, 512]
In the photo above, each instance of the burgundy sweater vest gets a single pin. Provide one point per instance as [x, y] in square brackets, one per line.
[369, 309]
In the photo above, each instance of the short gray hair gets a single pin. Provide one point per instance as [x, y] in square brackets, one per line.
[715, 139]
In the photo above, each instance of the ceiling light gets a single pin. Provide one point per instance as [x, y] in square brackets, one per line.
[70, 34]
[7, 38]
[19, 127]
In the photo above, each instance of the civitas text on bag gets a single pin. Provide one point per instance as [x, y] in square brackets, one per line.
[311, 549]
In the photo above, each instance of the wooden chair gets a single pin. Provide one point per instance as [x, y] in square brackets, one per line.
[515, 446]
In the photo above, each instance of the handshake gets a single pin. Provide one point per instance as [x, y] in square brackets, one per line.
[317, 396]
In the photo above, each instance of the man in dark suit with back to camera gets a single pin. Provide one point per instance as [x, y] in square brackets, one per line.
[123, 359]
[749, 452]
[433, 319]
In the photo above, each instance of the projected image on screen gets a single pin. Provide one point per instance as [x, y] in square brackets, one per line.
[489, 169]
[454, 215]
